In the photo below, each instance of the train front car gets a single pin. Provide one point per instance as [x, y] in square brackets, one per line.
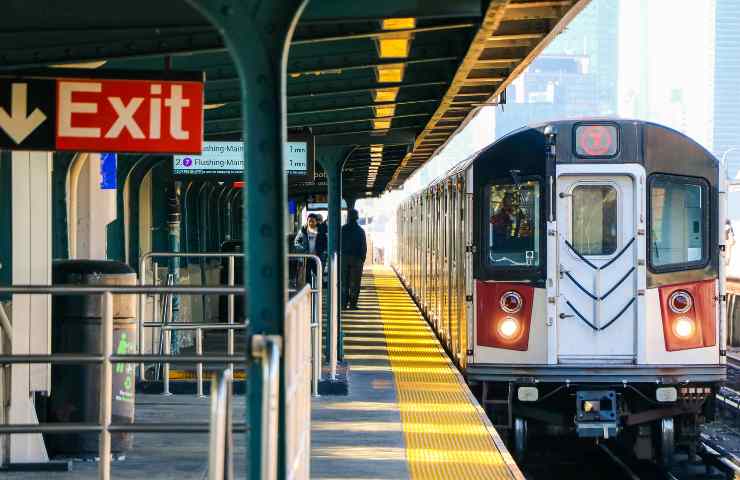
[594, 282]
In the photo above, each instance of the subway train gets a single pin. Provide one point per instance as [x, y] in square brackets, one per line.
[574, 272]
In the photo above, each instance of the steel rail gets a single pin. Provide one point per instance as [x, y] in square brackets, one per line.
[267, 349]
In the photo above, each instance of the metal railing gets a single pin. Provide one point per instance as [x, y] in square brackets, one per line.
[168, 326]
[150, 256]
[317, 305]
[221, 443]
[199, 328]
[106, 358]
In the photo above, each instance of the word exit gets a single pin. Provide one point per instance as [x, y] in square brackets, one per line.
[101, 115]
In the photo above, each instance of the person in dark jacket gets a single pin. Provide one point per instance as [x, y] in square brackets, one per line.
[312, 239]
[354, 250]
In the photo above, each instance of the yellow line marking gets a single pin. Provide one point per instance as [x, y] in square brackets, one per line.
[445, 433]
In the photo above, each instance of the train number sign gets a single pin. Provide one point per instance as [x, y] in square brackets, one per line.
[101, 115]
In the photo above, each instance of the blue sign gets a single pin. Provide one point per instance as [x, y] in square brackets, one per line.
[108, 179]
[292, 207]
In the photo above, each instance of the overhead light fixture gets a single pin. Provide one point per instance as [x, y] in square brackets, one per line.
[213, 106]
[385, 111]
[390, 73]
[376, 148]
[399, 23]
[87, 65]
[394, 47]
[381, 124]
[385, 94]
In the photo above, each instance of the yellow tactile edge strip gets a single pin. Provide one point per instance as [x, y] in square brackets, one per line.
[446, 431]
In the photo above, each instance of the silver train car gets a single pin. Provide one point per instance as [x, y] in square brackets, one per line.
[574, 272]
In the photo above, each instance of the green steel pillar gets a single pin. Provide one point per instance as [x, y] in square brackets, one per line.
[173, 237]
[332, 161]
[257, 35]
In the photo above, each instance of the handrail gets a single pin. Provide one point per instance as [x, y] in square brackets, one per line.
[266, 348]
[220, 462]
[142, 279]
[106, 359]
[316, 313]
[317, 321]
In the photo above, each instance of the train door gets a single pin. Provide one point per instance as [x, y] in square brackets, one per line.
[597, 264]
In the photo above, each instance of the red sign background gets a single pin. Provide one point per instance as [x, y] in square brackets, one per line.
[116, 116]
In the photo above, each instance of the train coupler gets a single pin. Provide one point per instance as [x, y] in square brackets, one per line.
[596, 414]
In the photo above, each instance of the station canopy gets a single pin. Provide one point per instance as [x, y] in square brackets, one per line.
[394, 79]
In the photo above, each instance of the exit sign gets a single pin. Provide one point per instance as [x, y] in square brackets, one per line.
[101, 115]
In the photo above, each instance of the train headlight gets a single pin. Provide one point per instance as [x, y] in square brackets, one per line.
[680, 301]
[683, 327]
[528, 394]
[511, 302]
[508, 328]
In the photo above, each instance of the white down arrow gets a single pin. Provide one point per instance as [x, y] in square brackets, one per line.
[17, 125]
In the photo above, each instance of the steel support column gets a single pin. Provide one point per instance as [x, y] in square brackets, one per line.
[257, 35]
[173, 240]
[332, 159]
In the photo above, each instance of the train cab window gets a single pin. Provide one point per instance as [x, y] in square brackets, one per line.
[514, 225]
[679, 216]
[594, 227]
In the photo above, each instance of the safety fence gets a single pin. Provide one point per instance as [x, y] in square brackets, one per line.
[264, 348]
[106, 359]
[298, 376]
[166, 325]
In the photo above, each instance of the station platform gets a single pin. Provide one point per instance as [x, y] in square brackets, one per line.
[409, 414]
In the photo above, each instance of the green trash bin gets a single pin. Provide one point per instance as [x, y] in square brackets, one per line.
[76, 328]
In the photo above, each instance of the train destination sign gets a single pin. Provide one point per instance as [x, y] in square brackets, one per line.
[101, 115]
[225, 161]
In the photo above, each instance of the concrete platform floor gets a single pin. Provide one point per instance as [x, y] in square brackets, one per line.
[158, 456]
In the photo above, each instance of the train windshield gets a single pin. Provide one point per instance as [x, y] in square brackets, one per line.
[678, 219]
[514, 224]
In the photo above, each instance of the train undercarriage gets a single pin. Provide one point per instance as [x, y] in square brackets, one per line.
[652, 419]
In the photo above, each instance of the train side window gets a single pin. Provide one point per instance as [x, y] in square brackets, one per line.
[679, 215]
[514, 224]
[594, 227]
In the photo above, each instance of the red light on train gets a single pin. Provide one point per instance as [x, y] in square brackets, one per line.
[503, 315]
[680, 301]
[511, 302]
[596, 140]
[688, 314]
[239, 184]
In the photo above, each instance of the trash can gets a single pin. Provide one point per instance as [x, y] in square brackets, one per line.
[76, 328]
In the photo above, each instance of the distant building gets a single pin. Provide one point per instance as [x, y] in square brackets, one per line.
[726, 81]
[575, 76]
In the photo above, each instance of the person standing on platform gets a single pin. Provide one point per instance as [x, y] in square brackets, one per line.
[322, 240]
[354, 250]
[309, 240]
